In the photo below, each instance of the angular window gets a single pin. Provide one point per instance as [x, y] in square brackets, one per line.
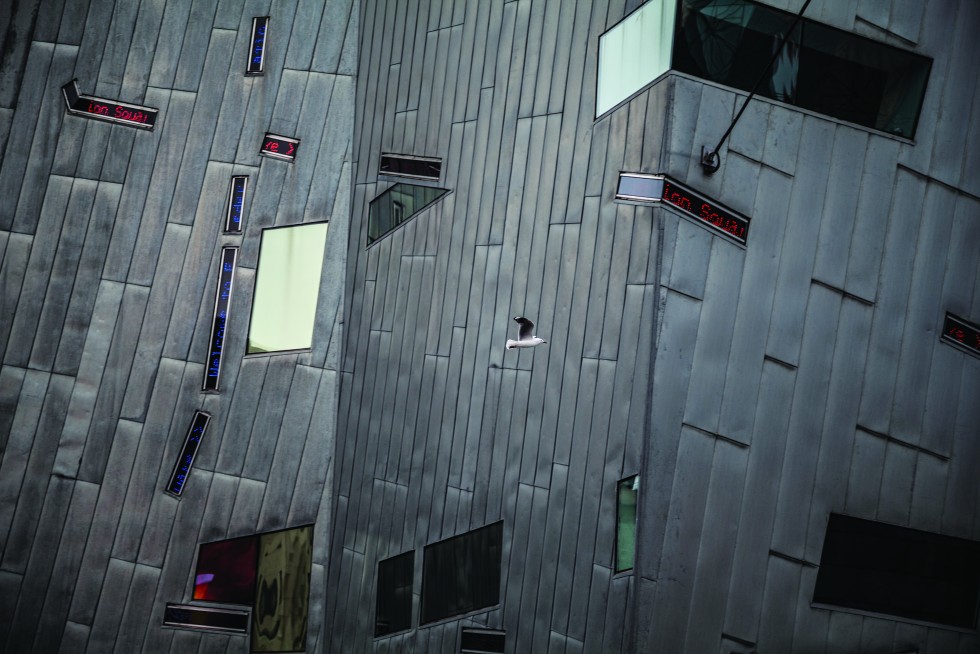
[398, 204]
[820, 68]
[879, 568]
[286, 287]
[269, 572]
[394, 598]
[633, 53]
[731, 42]
[626, 492]
[462, 574]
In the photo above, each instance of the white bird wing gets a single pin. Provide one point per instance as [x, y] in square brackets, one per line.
[526, 330]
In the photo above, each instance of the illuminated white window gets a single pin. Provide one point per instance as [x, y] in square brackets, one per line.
[634, 52]
[286, 286]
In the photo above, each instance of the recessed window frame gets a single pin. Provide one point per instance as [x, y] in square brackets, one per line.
[403, 215]
[426, 619]
[256, 289]
[394, 157]
[389, 596]
[634, 481]
[893, 534]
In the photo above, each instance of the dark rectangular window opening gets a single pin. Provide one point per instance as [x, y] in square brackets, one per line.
[627, 491]
[393, 612]
[462, 574]
[884, 569]
[397, 205]
[821, 68]
[403, 165]
[481, 641]
[205, 618]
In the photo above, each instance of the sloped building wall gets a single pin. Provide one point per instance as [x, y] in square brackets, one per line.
[110, 239]
[795, 377]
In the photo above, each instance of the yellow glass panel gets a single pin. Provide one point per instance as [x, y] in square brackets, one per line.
[286, 287]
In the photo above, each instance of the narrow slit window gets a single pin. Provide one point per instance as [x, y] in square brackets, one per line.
[286, 288]
[397, 205]
[403, 165]
[394, 594]
[626, 494]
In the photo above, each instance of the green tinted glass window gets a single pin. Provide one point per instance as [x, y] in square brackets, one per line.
[286, 287]
[398, 204]
[633, 53]
[626, 492]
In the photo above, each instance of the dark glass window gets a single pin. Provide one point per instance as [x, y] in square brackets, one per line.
[271, 573]
[401, 165]
[481, 641]
[398, 204]
[205, 618]
[394, 598]
[626, 492]
[462, 574]
[821, 68]
[870, 566]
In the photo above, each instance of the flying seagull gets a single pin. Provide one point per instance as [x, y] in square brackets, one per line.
[525, 337]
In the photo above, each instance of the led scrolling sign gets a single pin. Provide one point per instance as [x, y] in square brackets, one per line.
[110, 111]
[279, 147]
[660, 188]
[236, 204]
[256, 55]
[222, 305]
[961, 333]
[187, 453]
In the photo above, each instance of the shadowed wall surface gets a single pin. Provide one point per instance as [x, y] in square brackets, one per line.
[110, 245]
[755, 389]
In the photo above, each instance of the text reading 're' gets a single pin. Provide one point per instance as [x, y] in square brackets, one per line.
[111, 111]
[187, 453]
[962, 333]
[279, 147]
[222, 306]
[236, 204]
[256, 55]
[660, 188]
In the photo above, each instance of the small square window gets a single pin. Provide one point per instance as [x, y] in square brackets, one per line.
[394, 596]
[286, 288]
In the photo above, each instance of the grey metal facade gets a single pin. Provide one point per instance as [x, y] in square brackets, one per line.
[756, 390]
[110, 240]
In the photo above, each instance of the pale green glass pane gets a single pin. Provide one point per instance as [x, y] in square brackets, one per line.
[626, 492]
[286, 288]
[634, 53]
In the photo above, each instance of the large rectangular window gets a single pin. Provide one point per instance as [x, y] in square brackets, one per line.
[731, 42]
[286, 287]
[633, 53]
[462, 574]
[880, 568]
[820, 68]
[269, 572]
[393, 611]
